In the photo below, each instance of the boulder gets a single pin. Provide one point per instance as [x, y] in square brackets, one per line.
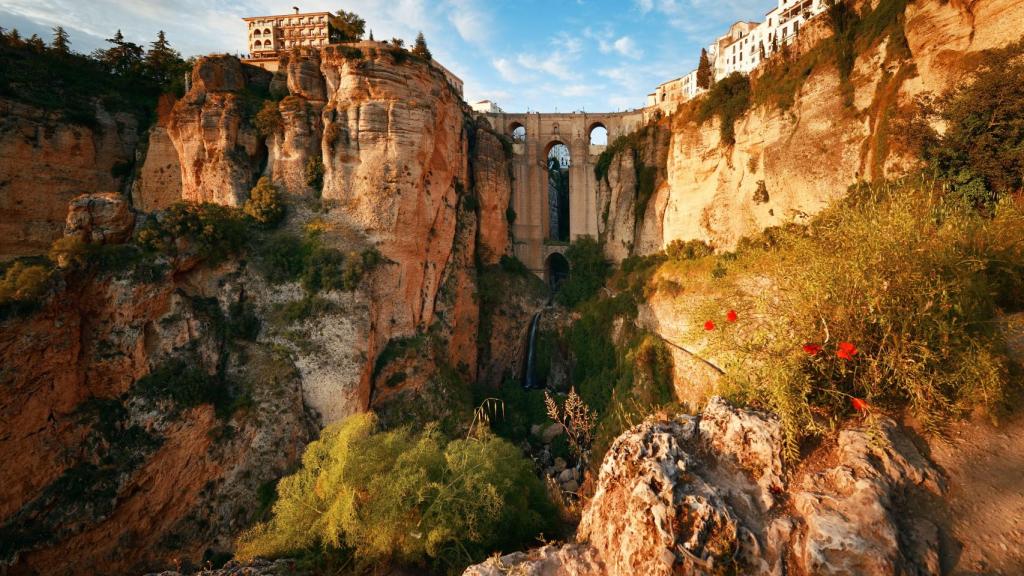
[100, 218]
[699, 495]
[551, 432]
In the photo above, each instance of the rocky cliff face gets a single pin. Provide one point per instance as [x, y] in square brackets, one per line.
[789, 164]
[218, 148]
[112, 472]
[111, 468]
[45, 162]
[709, 493]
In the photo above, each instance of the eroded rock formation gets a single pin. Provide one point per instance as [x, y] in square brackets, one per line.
[219, 149]
[699, 494]
[787, 165]
[45, 161]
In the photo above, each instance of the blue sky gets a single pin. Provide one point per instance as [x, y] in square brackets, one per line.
[539, 55]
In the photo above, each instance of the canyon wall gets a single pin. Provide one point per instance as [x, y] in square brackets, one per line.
[110, 471]
[788, 164]
[45, 161]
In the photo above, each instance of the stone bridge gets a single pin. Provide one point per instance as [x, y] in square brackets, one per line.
[532, 237]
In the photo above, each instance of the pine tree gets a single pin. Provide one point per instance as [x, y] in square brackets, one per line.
[14, 39]
[123, 58]
[347, 27]
[61, 40]
[36, 43]
[371, 36]
[420, 48]
[162, 60]
[704, 70]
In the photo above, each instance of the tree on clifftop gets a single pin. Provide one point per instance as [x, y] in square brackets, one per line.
[162, 61]
[123, 57]
[61, 40]
[347, 27]
[420, 48]
[704, 70]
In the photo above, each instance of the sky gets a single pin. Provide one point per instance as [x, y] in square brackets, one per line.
[526, 55]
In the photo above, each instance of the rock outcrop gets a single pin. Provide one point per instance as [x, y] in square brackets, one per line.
[700, 494]
[219, 150]
[100, 218]
[109, 475]
[788, 164]
[45, 161]
[158, 184]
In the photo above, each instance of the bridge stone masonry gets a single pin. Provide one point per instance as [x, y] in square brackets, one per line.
[533, 241]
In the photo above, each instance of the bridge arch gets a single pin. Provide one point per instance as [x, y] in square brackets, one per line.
[556, 270]
[531, 186]
[517, 131]
[559, 163]
[597, 134]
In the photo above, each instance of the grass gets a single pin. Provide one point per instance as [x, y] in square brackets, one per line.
[915, 280]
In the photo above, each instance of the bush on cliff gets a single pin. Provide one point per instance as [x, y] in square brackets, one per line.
[22, 287]
[265, 204]
[728, 100]
[404, 496]
[588, 270]
[889, 300]
[211, 232]
[981, 152]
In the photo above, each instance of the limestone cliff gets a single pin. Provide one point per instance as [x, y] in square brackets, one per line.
[109, 469]
[789, 163]
[708, 494]
[111, 475]
[218, 147]
[45, 161]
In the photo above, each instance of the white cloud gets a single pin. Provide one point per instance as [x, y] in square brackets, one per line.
[559, 62]
[628, 48]
[509, 70]
[473, 24]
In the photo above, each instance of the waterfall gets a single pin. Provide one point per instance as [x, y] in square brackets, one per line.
[529, 381]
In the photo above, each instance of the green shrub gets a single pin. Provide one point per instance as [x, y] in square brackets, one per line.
[910, 280]
[210, 231]
[588, 270]
[315, 174]
[185, 384]
[403, 496]
[282, 257]
[728, 100]
[22, 287]
[513, 265]
[679, 250]
[981, 153]
[268, 120]
[265, 204]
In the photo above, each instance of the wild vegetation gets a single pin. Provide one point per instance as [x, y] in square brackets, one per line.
[728, 100]
[410, 497]
[979, 154]
[125, 77]
[889, 300]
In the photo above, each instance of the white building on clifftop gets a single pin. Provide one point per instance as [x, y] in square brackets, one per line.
[743, 48]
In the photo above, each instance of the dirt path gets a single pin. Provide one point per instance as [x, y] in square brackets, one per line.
[985, 468]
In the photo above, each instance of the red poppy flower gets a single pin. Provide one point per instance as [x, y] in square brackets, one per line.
[709, 325]
[846, 351]
[858, 404]
[812, 349]
[731, 316]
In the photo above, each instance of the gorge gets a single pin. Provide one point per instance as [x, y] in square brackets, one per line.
[337, 287]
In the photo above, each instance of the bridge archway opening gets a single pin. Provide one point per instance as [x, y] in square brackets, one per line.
[558, 162]
[518, 132]
[556, 271]
[598, 134]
